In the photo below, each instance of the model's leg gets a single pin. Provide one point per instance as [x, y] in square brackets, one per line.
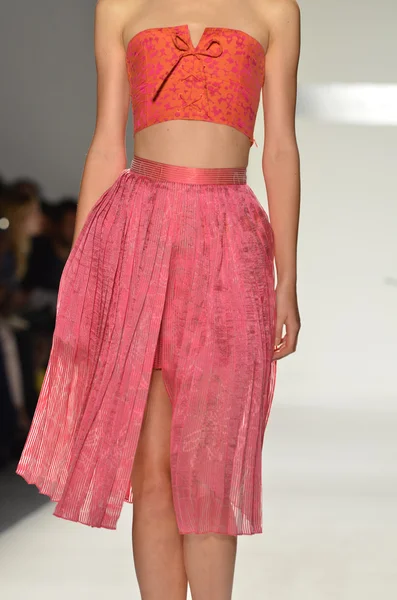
[157, 544]
[209, 562]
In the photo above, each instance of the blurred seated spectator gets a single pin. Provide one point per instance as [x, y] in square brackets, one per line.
[50, 251]
[47, 210]
[35, 242]
[20, 220]
[8, 417]
[27, 187]
[49, 254]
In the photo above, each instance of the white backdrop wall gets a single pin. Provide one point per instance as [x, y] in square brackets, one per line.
[348, 344]
[348, 242]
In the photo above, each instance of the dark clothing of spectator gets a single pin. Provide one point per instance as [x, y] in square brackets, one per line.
[8, 270]
[8, 416]
[44, 267]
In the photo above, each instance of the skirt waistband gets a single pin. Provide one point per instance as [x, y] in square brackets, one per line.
[173, 173]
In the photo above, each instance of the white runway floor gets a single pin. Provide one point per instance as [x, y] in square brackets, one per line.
[330, 524]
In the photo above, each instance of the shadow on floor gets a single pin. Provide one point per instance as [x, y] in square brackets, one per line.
[17, 498]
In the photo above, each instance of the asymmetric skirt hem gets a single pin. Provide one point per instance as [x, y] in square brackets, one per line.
[55, 500]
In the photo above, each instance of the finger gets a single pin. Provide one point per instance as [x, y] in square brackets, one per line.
[283, 352]
[279, 347]
[279, 332]
[289, 344]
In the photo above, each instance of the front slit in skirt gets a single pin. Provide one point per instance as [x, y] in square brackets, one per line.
[173, 269]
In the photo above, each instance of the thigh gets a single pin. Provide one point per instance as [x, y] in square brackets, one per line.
[153, 451]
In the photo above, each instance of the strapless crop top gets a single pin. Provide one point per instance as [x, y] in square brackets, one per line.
[219, 80]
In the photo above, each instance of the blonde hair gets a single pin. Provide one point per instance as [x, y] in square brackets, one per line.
[14, 207]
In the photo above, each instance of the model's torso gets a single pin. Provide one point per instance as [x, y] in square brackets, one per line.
[195, 142]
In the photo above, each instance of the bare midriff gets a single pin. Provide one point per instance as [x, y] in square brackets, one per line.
[193, 144]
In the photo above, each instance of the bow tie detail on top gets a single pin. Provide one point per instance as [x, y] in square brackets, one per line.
[213, 49]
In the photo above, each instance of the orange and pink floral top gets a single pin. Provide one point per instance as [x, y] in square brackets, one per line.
[219, 80]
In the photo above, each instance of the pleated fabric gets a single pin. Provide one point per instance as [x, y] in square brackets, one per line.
[166, 274]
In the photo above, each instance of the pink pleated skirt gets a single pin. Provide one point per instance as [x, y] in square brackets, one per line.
[173, 269]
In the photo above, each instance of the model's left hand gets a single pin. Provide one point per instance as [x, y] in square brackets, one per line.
[288, 316]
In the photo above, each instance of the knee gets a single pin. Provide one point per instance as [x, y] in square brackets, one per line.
[151, 487]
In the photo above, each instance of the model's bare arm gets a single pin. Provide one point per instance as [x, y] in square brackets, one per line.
[106, 157]
[281, 161]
